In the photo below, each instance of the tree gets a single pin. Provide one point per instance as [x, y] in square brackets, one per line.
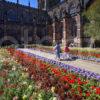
[92, 26]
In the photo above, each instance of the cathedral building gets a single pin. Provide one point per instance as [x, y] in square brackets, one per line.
[21, 24]
[66, 21]
[61, 20]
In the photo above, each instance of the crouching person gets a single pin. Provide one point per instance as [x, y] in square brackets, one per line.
[67, 52]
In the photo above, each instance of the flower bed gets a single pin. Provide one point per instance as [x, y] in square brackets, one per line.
[64, 83]
[86, 54]
[16, 83]
[74, 69]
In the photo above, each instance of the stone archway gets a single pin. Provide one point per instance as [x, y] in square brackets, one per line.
[46, 40]
[8, 40]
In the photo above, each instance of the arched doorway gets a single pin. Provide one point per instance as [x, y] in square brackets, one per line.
[8, 40]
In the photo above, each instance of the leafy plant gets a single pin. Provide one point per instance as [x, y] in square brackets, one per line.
[92, 26]
[1, 82]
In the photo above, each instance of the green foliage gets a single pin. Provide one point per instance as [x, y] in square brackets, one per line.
[92, 27]
[16, 83]
[1, 82]
[1, 65]
[45, 95]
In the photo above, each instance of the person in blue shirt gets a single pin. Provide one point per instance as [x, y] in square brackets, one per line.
[57, 50]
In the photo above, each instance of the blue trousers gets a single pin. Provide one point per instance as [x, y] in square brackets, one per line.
[57, 54]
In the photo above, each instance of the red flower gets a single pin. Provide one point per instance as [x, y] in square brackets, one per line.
[93, 87]
[56, 71]
[98, 91]
[68, 94]
[80, 82]
[80, 94]
[85, 82]
[88, 94]
[72, 81]
[1, 92]
[78, 79]
[79, 89]
[65, 78]
[72, 90]
[66, 86]
[42, 66]
[64, 70]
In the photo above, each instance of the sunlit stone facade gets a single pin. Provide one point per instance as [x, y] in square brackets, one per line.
[52, 21]
[66, 21]
[21, 24]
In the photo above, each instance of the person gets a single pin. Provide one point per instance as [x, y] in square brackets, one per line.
[57, 50]
[66, 49]
[66, 52]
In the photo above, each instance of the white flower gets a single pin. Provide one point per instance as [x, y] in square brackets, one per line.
[14, 68]
[32, 77]
[40, 97]
[20, 67]
[25, 75]
[15, 98]
[30, 87]
[54, 98]
[53, 89]
[8, 80]
[25, 83]
[24, 97]
[26, 69]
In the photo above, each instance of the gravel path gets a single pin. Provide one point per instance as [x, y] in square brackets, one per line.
[88, 65]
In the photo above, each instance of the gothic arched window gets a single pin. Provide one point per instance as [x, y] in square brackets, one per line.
[12, 15]
[55, 16]
[1, 14]
[72, 8]
[26, 16]
[1, 32]
[61, 13]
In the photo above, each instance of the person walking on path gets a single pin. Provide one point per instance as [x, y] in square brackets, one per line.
[57, 50]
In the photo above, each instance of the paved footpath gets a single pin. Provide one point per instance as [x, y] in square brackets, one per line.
[83, 64]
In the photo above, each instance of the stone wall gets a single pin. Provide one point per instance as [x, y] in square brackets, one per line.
[15, 19]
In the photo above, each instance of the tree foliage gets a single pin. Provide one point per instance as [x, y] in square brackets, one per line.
[92, 26]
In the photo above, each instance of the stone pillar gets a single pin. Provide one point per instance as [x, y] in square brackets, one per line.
[79, 32]
[35, 30]
[22, 32]
[45, 6]
[54, 31]
[25, 35]
[65, 32]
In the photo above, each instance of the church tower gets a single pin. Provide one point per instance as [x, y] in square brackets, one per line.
[47, 4]
[42, 4]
